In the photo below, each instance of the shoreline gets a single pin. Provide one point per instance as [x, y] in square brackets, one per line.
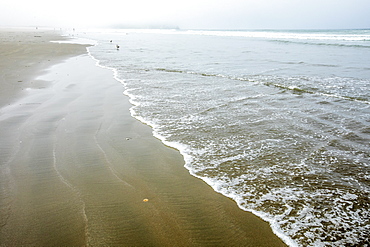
[77, 167]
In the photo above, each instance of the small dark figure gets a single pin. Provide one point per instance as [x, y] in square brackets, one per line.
[110, 41]
[117, 46]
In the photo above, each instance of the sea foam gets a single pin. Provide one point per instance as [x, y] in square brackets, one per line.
[287, 143]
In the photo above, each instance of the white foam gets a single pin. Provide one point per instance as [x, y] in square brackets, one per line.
[78, 41]
[285, 35]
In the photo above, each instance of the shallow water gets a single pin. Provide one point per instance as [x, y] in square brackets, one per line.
[276, 120]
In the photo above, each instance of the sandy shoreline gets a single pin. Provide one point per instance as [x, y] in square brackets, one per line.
[75, 166]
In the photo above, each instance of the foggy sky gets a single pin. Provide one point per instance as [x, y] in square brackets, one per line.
[190, 14]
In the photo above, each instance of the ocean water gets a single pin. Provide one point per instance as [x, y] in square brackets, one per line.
[279, 121]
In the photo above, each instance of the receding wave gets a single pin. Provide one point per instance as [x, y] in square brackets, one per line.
[281, 129]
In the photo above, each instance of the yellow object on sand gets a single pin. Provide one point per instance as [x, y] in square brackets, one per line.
[145, 200]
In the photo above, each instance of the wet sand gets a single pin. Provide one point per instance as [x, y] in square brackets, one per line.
[76, 167]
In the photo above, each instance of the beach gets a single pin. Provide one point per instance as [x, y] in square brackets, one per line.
[78, 170]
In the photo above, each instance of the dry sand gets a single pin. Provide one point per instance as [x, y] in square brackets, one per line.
[75, 167]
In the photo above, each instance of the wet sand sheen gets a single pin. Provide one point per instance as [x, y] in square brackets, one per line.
[75, 168]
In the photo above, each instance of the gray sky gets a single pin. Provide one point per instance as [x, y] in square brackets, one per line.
[189, 14]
